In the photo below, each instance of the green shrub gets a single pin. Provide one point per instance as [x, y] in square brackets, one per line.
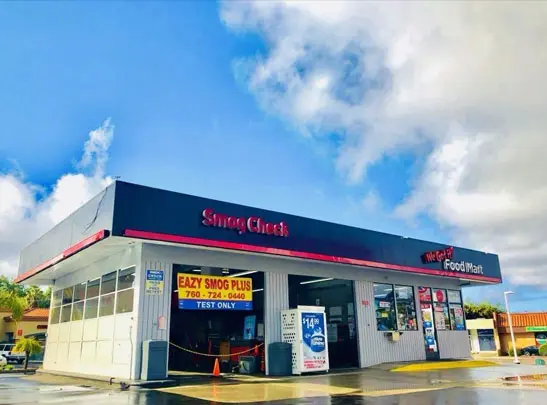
[543, 350]
[8, 367]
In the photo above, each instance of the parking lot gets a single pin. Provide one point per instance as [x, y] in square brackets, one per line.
[503, 384]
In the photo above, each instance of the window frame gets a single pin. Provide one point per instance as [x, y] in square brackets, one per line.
[105, 296]
[395, 309]
[68, 306]
[82, 303]
[74, 298]
[117, 300]
[87, 288]
[60, 306]
[86, 308]
[134, 272]
[115, 279]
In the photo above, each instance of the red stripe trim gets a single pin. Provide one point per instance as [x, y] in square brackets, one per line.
[90, 240]
[302, 255]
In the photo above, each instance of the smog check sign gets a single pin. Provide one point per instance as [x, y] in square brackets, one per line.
[202, 292]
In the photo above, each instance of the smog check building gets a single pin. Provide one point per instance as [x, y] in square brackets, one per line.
[136, 264]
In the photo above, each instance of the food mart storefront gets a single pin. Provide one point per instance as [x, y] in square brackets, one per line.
[113, 262]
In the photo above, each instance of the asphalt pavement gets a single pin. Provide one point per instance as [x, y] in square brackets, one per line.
[502, 385]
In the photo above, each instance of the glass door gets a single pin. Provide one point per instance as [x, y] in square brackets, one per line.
[428, 325]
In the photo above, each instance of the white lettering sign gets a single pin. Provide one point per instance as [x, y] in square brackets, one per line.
[462, 267]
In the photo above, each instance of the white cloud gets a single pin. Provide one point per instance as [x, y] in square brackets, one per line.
[465, 80]
[27, 210]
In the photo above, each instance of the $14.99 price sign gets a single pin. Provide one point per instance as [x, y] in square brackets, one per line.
[212, 292]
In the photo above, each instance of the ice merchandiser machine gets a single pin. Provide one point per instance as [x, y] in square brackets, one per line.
[305, 329]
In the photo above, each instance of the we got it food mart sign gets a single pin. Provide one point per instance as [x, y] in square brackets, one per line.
[214, 293]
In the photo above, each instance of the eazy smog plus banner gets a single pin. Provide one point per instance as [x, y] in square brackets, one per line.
[212, 292]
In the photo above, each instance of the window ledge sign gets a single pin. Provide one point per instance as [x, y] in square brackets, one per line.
[154, 282]
[202, 292]
[536, 329]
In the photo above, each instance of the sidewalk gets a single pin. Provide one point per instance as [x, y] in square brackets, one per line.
[510, 359]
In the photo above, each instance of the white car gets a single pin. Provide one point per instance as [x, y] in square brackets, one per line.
[6, 351]
[3, 361]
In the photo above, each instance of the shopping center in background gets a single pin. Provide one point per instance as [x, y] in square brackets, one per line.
[137, 264]
[493, 336]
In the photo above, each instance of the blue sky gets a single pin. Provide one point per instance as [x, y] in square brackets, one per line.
[164, 73]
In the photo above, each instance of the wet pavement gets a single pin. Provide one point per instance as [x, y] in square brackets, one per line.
[490, 385]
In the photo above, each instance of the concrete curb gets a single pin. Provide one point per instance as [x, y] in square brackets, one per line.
[113, 381]
[443, 365]
[28, 371]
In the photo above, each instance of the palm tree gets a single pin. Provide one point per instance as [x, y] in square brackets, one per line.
[36, 297]
[29, 346]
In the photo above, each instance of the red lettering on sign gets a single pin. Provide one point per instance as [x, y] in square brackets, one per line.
[189, 282]
[438, 255]
[242, 224]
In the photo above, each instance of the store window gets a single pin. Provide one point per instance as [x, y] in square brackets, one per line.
[91, 308]
[541, 338]
[395, 307]
[78, 311]
[124, 301]
[455, 307]
[68, 295]
[126, 283]
[65, 313]
[405, 308]
[426, 308]
[55, 314]
[106, 305]
[57, 298]
[79, 292]
[384, 302]
[92, 301]
[93, 287]
[487, 342]
[126, 278]
[108, 283]
[440, 309]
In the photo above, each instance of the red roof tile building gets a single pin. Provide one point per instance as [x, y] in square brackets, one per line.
[34, 321]
[530, 329]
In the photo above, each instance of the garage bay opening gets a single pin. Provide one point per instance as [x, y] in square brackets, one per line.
[338, 299]
[216, 313]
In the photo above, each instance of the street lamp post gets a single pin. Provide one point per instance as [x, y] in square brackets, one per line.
[505, 294]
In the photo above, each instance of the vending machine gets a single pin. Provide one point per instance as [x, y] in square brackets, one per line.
[305, 329]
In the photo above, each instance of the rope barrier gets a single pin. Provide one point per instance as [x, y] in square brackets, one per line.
[217, 355]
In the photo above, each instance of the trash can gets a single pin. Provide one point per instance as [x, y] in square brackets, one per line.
[154, 360]
[280, 359]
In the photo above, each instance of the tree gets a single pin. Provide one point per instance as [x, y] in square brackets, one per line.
[8, 286]
[481, 310]
[29, 346]
[35, 296]
[38, 298]
[17, 305]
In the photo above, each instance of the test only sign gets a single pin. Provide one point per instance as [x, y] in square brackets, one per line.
[314, 342]
[154, 282]
[214, 293]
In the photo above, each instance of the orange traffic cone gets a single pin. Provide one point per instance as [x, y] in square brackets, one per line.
[216, 369]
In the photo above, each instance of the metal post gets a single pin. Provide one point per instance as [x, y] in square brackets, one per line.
[505, 294]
